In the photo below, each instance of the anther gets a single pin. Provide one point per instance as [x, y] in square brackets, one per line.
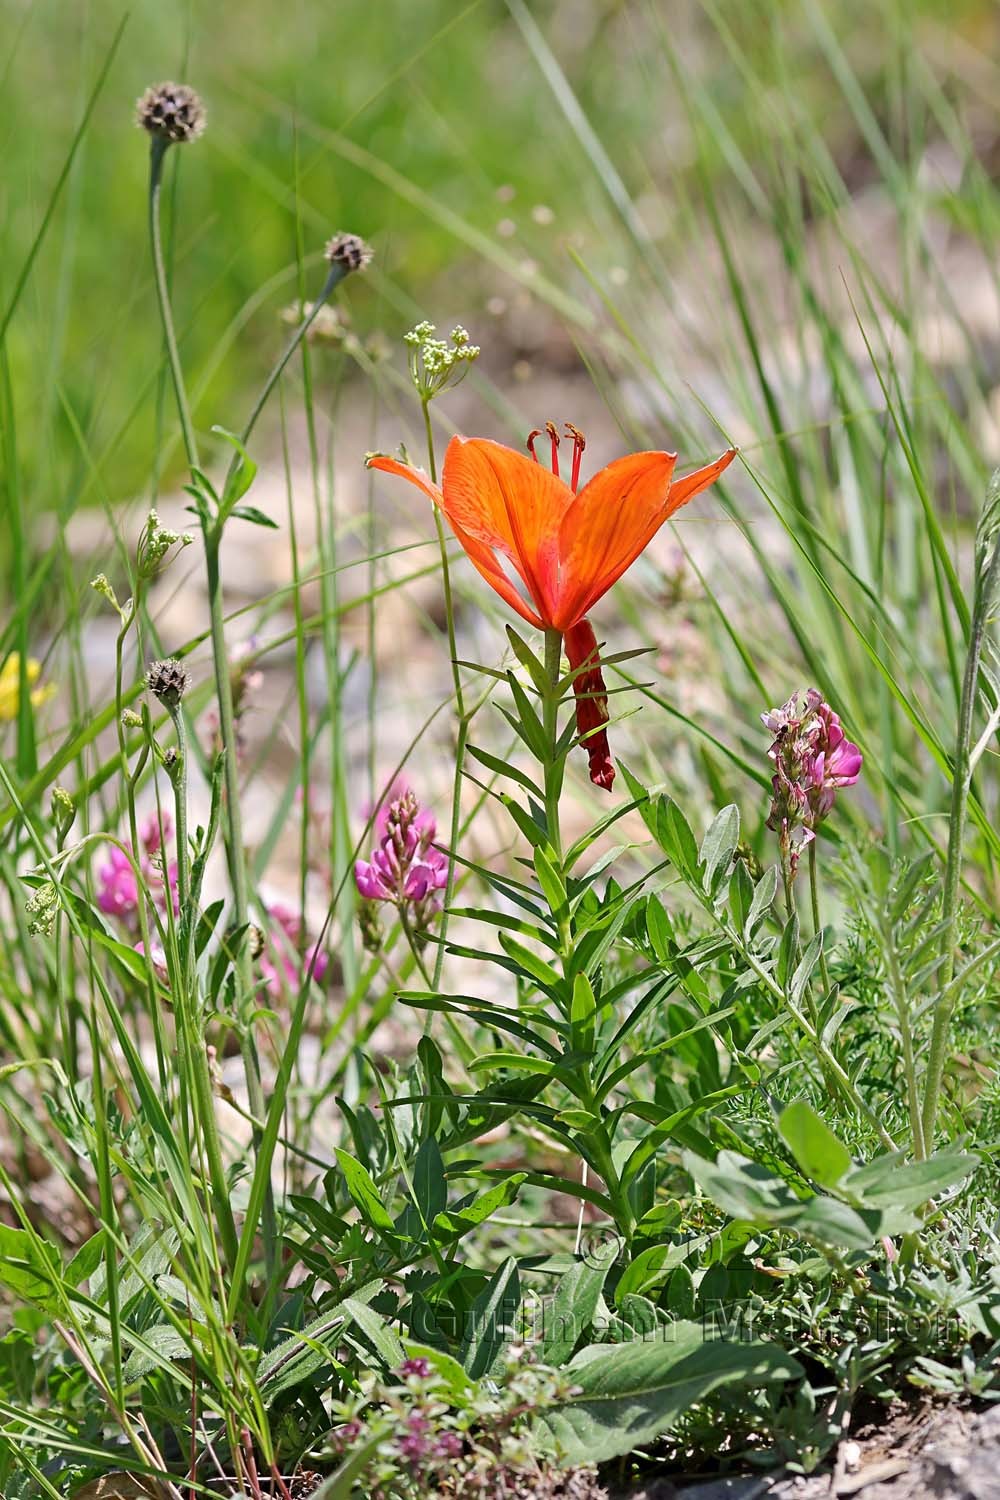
[579, 443]
[553, 432]
[535, 433]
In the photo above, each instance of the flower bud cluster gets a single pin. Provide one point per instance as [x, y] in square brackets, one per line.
[436, 363]
[405, 868]
[813, 760]
[155, 541]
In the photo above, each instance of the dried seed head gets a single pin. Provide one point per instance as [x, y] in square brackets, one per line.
[168, 681]
[172, 112]
[348, 251]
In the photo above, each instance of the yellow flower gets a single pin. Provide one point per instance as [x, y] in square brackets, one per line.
[10, 682]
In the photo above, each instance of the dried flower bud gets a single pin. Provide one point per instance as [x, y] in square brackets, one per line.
[168, 681]
[62, 812]
[348, 251]
[171, 112]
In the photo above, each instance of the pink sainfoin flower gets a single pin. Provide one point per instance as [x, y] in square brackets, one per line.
[282, 963]
[118, 895]
[405, 867]
[813, 760]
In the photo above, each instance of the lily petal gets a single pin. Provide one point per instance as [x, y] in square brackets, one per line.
[479, 553]
[507, 501]
[614, 518]
[591, 701]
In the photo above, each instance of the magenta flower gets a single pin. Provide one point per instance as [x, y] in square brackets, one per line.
[836, 762]
[405, 867]
[281, 962]
[419, 1366]
[157, 957]
[813, 760]
[118, 895]
[416, 1445]
[119, 889]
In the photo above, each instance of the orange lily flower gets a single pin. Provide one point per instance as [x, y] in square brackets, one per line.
[565, 545]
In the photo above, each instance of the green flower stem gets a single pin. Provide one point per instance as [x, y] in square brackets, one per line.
[600, 1155]
[336, 275]
[901, 1001]
[550, 723]
[236, 858]
[234, 841]
[463, 716]
[158, 151]
[128, 619]
[836, 1073]
[788, 882]
[960, 788]
[817, 923]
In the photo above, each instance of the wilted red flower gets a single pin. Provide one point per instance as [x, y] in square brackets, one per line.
[567, 546]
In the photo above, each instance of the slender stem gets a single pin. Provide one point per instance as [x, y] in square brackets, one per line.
[836, 1071]
[179, 781]
[788, 882]
[158, 151]
[960, 787]
[336, 274]
[902, 1003]
[234, 841]
[462, 731]
[236, 859]
[411, 938]
[600, 1145]
[817, 924]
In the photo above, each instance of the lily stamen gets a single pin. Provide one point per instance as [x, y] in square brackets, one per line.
[533, 435]
[579, 443]
[553, 432]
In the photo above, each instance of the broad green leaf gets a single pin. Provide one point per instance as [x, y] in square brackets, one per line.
[681, 1293]
[583, 1014]
[502, 768]
[429, 1185]
[719, 844]
[376, 1330]
[821, 1155]
[628, 1394]
[454, 1224]
[892, 1182]
[308, 1349]
[763, 900]
[254, 516]
[491, 1320]
[363, 1192]
[652, 1267]
[568, 1317]
[673, 833]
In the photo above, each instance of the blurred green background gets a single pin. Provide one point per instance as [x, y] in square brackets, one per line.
[482, 141]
